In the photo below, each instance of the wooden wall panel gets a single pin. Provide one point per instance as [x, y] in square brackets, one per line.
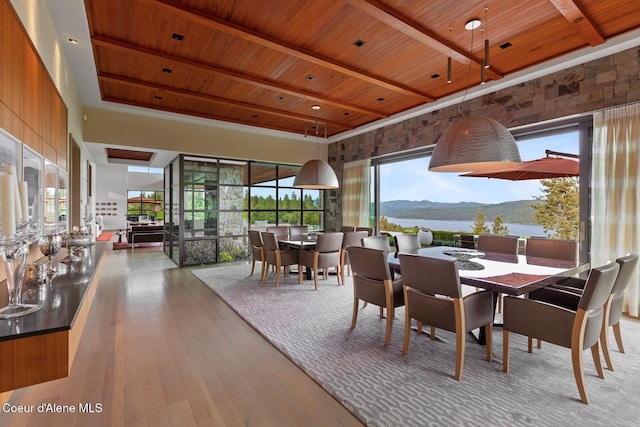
[31, 108]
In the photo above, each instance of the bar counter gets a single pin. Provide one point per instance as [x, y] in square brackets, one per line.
[40, 346]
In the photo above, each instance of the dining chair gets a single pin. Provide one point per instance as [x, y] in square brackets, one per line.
[281, 231]
[325, 254]
[377, 242]
[298, 232]
[556, 294]
[433, 296]
[552, 248]
[351, 238]
[346, 228]
[277, 256]
[257, 251]
[369, 230]
[577, 329]
[406, 242]
[373, 283]
[499, 244]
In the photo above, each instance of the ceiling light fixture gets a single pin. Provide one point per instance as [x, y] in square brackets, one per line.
[316, 174]
[474, 143]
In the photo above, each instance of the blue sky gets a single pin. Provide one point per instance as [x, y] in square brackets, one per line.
[411, 180]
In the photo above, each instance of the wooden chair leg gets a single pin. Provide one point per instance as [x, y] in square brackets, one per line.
[539, 343]
[604, 340]
[253, 266]
[618, 335]
[355, 312]
[595, 353]
[489, 340]
[432, 332]
[278, 269]
[381, 312]
[578, 371]
[387, 335]
[505, 351]
[299, 274]
[530, 344]
[460, 341]
[407, 324]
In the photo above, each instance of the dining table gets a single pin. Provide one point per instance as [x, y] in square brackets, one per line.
[305, 242]
[509, 274]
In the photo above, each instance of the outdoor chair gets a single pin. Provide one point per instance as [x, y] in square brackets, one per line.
[577, 329]
[326, 254]
[557, 294]
[406, 242]
[433, 296]
[346, 228]
[468, 241]
[373, 283]
[257, 251]
[276, 256]
[351, 238]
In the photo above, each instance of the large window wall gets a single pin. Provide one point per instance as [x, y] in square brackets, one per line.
[212, 203]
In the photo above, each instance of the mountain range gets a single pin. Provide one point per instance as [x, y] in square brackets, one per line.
[514, 212]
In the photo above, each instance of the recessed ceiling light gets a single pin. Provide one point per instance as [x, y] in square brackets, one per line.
[157, 96]
[177, 36]
[255, 116]
[472, 24]
[72, 40]
[435, 76]
[310, 77]
[167, 70]
[281, 98]
[315, 107]
[346, 113]
[505, 45]
[380, 99]
[359, 43]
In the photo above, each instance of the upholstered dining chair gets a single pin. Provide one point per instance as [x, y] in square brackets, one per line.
[281, 231]
[406, 242]
[499, 244]
[577, 329]
[433, 296]
[552, 248]
[556, 294]
[377, 242]
[257, 251]
[351, 238]
[346, 228]
[298, 232]
[369, 230]
[373, 283]
[325, 254]
[276, 256]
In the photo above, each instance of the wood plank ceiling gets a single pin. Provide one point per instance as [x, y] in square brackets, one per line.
[265, 63]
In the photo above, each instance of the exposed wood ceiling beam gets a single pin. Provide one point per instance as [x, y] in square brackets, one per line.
[580, 21]
[119, 45]
[209, 98]
[401, 23]
[267, 41]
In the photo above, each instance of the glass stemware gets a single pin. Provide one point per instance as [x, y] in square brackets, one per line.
[49, 246]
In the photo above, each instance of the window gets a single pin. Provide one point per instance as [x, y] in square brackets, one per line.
[147, 204]
[144, 169]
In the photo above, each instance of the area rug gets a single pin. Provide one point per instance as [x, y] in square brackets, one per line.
[105, 236]
[382, 387]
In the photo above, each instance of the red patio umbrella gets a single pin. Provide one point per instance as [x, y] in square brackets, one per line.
[544, 168]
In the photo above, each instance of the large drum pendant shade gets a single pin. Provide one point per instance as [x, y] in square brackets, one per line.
[474, 144]
[316, 174]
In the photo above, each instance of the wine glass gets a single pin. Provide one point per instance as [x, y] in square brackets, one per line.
[49, 246]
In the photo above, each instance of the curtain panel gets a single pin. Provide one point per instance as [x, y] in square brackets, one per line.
[615, 198]
[356, 193]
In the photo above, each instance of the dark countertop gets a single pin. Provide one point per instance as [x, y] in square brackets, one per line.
[59, 300]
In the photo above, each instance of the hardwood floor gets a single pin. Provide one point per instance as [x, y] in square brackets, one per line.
[160, 348]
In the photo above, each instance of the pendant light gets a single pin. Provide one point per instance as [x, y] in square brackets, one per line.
[316, 174]
[474, 143]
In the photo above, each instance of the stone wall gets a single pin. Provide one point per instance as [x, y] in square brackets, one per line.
[602, 83]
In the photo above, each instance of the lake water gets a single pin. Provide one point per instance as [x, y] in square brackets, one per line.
[466, 226]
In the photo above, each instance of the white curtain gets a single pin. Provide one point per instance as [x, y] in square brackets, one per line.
[615, 184]
[356, 193]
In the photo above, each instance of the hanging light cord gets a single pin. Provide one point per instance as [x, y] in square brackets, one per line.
[466, 90]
